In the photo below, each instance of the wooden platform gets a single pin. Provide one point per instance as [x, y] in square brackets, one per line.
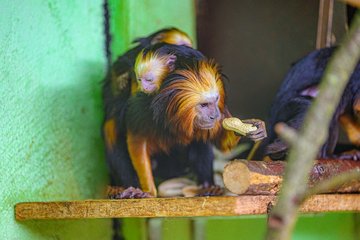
[177, 207]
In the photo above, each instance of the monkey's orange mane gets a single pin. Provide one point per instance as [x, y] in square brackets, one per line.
[173, 36]
[194, 86]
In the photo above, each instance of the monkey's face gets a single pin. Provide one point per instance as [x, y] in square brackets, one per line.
[147, 83]
[191, 102]
[207, 112]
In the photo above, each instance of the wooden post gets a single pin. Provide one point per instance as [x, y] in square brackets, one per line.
[325, 20]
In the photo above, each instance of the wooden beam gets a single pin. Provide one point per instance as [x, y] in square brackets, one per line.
[325, 20]
[176, 207]
[265, 178]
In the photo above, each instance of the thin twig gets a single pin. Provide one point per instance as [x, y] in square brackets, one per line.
[286, 133]
[220, 156]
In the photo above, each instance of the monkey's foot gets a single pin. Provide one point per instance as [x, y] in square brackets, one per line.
[130, 192]
[350, 155]
[210, 190]
[259, 133]
[277, 150]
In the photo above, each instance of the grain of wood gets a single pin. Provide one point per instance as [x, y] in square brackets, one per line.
[176, 207]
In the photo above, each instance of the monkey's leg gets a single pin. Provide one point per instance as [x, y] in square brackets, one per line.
[124, 181]
[118, 160]
[292, 114]
[356, 109]
[140, 159]
[327, 150]
[351, 127]
[201, 157]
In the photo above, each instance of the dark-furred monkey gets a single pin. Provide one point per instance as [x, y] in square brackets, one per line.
[297, 92]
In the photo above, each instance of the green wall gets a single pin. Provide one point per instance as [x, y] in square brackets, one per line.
[132, 19]
[52, 64]
[329, 226]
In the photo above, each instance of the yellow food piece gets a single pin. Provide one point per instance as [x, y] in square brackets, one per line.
[236, 125]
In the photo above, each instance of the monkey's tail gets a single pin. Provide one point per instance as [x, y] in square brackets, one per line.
[117, 229]
[253, 150]
[116, 222]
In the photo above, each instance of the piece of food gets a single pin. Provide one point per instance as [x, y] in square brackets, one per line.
[236, 125]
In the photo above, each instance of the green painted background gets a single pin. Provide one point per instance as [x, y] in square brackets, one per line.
[51, 66]
[131, 19]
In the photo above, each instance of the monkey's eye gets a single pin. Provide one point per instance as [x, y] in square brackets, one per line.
[204, 105]
[148, 79]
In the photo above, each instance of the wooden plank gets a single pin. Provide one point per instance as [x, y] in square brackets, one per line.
[176, 207]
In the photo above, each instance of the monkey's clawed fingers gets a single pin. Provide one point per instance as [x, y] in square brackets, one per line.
[259, 133]
[131, 192]
[350, 155]
[210, 190]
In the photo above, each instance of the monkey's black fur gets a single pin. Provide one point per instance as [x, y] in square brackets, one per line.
[290, 104]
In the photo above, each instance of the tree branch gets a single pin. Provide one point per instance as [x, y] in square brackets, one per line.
[286, 133]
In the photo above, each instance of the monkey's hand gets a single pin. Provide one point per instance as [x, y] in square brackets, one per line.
[259, 133]
[210, 190]
[350, 155]
[130, 192]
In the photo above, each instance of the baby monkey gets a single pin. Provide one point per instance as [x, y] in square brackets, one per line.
[154, 63]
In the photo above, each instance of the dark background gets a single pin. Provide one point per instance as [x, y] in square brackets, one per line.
[256, 42]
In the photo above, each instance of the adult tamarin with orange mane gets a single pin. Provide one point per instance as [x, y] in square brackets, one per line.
[152, 65]
[184, 116]
[117, 89]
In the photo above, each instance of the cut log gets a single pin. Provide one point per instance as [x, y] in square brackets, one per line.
[265, 178]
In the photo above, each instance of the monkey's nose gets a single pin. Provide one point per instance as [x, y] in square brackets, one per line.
[216, 115]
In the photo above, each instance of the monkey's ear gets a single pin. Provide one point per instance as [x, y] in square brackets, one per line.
[311, 91]
[170, 62]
